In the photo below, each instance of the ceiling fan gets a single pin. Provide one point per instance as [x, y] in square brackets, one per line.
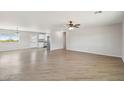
[71, 25]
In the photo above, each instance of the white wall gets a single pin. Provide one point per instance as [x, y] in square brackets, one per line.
[56, 40]
[25, 41]
[123, 42]
[104, 40]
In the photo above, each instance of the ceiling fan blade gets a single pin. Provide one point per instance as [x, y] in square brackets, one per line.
[70, 25]
[77, 25]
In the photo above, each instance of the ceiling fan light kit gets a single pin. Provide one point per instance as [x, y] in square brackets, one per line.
[70, 28]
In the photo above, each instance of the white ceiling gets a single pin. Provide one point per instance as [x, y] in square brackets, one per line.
[41, 20]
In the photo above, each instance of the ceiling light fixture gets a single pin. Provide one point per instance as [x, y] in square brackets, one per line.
[97, 12]
[70, 28]
[71, 25]
[17, 29]
[17, 33]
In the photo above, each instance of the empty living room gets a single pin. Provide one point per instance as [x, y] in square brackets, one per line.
[61, 45]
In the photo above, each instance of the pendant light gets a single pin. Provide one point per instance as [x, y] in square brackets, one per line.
[17, 33]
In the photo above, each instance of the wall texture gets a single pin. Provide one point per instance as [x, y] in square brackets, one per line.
[25, 41]
[105, 40]
[57, 40]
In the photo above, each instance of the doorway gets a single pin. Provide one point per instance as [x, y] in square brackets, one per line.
[44, 40]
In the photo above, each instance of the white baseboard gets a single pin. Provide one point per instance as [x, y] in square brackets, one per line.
[16, 49]
[95, 53]
[55, 49]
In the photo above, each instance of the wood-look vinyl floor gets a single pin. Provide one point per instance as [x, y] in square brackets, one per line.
[58, 65]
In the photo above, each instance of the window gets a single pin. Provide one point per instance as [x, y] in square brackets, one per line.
[9, 37]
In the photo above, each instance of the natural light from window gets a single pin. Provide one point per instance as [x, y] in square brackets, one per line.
[9, 37]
